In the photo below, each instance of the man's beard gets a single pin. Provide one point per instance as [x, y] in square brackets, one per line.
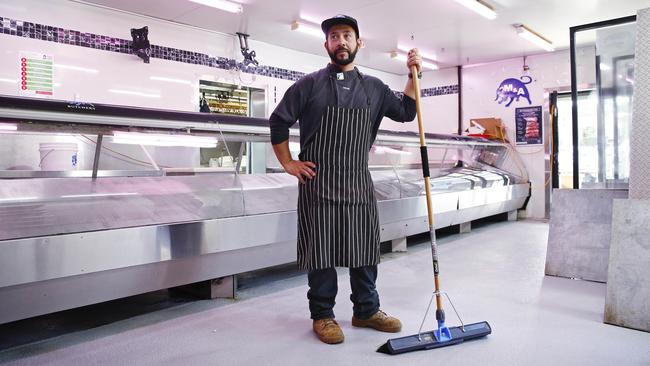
[346, 61]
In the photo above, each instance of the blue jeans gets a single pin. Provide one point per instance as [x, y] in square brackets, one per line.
[323, 287]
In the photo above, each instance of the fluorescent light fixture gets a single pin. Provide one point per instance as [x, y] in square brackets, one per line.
[389, 150]
[170, 80]
[18, 199]
[155, 139]
[307, 28]
[479, 7]
[221, 4]
[255, 188]
[402, 57]
[534, 37]
[76, 68]
[406, 49]
[130, 92]
[8, 127]
[100, 195]
[310, 19]
[605, 67]
[11, 81]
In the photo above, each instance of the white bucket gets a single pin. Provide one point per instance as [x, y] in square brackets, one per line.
[58, 156]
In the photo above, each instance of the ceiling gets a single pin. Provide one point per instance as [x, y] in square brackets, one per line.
[444, 28]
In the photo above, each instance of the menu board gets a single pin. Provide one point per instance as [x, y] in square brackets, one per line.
[528, 123]
[36, 74]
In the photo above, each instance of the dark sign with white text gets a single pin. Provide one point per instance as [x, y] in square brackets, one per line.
[528, 122]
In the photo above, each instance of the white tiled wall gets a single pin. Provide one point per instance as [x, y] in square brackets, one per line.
[115, 71]
[106, 72]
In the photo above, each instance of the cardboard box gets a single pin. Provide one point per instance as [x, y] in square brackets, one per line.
[493, 128]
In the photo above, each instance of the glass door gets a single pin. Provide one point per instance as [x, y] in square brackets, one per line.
[602, 73]
[587, 108]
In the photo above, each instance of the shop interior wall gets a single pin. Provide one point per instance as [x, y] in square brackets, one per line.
[116, 71]
[440, 112]
[108, 72]
[549, 72]
[128, 72]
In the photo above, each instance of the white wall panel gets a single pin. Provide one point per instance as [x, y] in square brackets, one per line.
[127, 73]
[549, 72]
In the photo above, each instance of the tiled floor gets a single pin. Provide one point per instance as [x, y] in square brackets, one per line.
[494, 273]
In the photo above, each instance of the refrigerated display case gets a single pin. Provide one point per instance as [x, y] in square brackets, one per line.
[141, 218]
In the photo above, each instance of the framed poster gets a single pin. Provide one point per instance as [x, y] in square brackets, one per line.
[528, 124]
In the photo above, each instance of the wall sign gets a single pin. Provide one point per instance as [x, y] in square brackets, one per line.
[510, 90]
[36, 74]
[528, 123]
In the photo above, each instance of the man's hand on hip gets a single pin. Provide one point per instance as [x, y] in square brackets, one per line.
[300, 169]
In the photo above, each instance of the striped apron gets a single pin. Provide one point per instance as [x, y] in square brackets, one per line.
[338, 224]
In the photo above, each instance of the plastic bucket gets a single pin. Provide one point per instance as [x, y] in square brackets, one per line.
[58, 156]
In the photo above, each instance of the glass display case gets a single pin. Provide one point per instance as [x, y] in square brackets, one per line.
[93, 192]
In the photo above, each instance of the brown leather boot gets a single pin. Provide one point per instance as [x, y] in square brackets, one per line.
[328, 331]
[379, 321]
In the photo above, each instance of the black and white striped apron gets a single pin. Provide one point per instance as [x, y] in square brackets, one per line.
[338, 224]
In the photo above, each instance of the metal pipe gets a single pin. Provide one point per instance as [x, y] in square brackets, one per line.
[98, 149]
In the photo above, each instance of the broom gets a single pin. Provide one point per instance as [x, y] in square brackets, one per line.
[443, 336]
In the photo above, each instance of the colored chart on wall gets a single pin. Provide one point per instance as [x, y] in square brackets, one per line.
[36, 74]
[528, 122]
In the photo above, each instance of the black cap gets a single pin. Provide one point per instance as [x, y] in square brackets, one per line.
[339, 19]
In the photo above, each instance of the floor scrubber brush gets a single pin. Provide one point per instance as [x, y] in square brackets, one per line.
[443, 336]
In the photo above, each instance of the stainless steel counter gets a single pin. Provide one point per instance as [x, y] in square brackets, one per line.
[71, 241]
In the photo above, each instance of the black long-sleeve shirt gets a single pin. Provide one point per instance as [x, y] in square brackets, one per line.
[308, 97]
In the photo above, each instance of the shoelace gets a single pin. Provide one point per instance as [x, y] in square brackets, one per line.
[382, 314]
[328, 322]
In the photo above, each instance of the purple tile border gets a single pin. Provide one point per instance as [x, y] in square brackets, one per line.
[71, 37]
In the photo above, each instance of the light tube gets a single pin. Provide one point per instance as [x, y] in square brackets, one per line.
[533, 37]
[307, 29]
[90, 195]
[424, 55]
[153, 139]
[228, 6]
[479, 7]
[310, 19]
[8, 127]
[402, 57]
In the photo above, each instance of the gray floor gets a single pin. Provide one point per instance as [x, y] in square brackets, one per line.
[494, 273]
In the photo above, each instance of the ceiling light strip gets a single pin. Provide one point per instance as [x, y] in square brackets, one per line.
[307, 28]
[151, 139]
[8, 127]
[480, 7]
[428, 56]
[402, 57]
[224, 5]
[535, 38]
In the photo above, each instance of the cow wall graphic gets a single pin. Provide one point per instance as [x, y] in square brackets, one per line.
[510, 90]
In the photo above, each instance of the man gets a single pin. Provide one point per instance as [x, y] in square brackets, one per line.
[339, 110]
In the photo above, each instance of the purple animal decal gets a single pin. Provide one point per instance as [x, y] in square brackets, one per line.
[511, 90]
